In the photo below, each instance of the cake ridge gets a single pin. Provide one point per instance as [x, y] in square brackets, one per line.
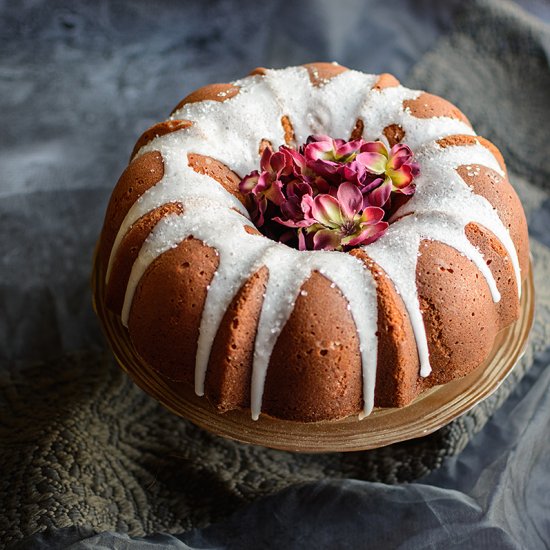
[180, 187]
[285, 281]
[461, 201]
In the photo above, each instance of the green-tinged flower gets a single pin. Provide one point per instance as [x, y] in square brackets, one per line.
[395, 168]
[341, 221]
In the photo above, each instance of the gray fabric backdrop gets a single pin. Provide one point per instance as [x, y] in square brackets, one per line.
[81, 449]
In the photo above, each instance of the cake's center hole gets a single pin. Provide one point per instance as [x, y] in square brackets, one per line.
[329, 194]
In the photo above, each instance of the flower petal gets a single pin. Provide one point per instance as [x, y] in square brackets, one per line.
[298, 188]
[415, 169]
[278, 162]
[372, 215]
[407, 190]
[302, 245]
[374, 147]
[306, 205]
[345, 151]
[326, 239]
[249, 182]
[350, 199]
[292, 223]
[258, 210]
[402, 177]
[319, 150]
[275, 193]
[295, 161]
[352, 171]
[265, 160]
[399, 155]
[318, 137]
[320, 185]
[373, 162]
[368, 234]
[371, 183]
[326, 210]
[264, 182]
[324, 168]
[291, 209]
[379, 196]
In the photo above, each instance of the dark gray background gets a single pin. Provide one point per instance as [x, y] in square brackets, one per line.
[79, 82]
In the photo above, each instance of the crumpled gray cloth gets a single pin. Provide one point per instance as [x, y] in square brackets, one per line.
[492, 495]
[82, 448]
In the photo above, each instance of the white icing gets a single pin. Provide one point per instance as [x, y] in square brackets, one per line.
[315, 109]
[385, 107]
[397, 254]
[175, 187]
[231, 132]
[439, 175]
[288, 269]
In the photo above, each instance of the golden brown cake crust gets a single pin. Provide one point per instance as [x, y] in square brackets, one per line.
[429, 106]
[385, 80]
[502, 196]
[288, 129]
[128, 251]
[160, 129]
[457, 140]
[396, 383]
[463, 139]
[315, 370]
[229, 372]
[167, 307]
[495, 150]
[357, 132]
[218, 172]
[321, 73]
[458, 310]
[501, 267]
[264, 144]
[258, 71]
[141, 174]
[394, 134]
[212, 92]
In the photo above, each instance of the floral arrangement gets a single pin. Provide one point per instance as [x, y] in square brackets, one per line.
[330, 194]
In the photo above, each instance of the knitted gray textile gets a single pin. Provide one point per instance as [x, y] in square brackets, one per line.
[80, 444]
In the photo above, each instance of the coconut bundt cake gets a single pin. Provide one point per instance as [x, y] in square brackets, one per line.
[320, 332]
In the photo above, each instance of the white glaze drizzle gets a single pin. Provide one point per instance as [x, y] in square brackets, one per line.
[176, 187]
[440, 174]
[288, 270]
[231, 131]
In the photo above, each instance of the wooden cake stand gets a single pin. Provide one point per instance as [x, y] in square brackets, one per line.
[428, 412]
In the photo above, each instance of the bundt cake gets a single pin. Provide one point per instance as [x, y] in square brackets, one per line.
[210, 302]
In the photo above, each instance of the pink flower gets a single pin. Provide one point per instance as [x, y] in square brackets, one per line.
[262, 188]
[393, 171]
[266, 186]
[342, 222]
[333, 159]
[332, 150]
[331, 194]
[295, 210]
